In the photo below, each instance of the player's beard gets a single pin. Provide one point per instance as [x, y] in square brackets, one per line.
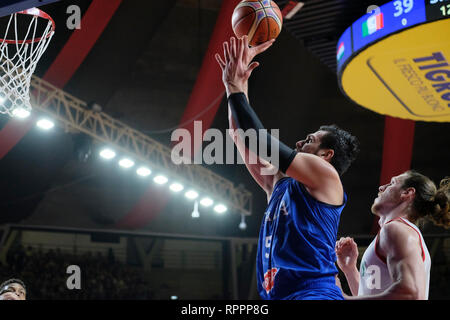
[385, 202]
[374, 208]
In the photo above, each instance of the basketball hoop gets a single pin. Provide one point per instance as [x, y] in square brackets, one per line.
[19, 55]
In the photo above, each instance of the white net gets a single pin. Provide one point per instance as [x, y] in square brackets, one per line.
[19, 55]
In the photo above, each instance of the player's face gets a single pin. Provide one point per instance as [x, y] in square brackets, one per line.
[311, 144]
[389, 195]
[13, 291]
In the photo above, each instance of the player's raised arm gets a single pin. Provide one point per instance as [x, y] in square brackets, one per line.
[236, 84]
[255, 165]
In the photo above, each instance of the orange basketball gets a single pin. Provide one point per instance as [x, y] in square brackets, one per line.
[260, 20]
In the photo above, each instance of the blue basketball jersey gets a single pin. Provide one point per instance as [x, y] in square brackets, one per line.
[296, 257]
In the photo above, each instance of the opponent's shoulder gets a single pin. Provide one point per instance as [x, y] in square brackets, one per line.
[398, 236]
[397, 229]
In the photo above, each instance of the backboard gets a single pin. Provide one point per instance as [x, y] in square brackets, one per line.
[10, 6]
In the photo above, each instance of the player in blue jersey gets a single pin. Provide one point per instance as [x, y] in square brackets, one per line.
[296, 256]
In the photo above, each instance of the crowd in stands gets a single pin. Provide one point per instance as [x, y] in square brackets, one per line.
[105, 278]
[102, 276]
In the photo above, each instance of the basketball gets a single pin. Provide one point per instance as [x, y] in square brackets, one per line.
[260, 20]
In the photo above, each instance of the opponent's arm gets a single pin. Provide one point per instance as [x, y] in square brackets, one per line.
[400, 245]
[347, 256]
[352, 277]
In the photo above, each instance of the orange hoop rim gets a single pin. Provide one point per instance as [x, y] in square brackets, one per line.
[37, 13]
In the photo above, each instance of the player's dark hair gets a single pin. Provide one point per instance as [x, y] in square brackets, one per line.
[429, 202]
[10, 281]
[344, 145]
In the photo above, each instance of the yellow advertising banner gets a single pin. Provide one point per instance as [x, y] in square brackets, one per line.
[406, 75]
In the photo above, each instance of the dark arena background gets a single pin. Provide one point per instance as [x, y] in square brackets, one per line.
[124, 76]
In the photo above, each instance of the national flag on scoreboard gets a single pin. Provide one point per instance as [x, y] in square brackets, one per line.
[373, 24]
[340, 51]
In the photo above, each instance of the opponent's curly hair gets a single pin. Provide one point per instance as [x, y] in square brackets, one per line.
[430, 203]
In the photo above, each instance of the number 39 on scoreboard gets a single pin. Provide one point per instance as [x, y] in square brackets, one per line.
[402, 7]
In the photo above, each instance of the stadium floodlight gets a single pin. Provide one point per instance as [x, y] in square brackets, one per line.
[242, 225]
[191, 195]
[20, 113]
[195, 214]
[107, 154]
[144, 171]
[160, 179]
[45, 124]
[176, 187]
[126, 163]
[220, 208]
[206, 202]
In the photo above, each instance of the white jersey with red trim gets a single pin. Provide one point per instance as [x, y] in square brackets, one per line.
[374, 274]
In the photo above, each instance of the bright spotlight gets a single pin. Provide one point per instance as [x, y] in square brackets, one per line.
[191, 195]
[160, 179]
[176, 187]
[2, 99]
[143, 171]
[220, 208]
[195, 214]
[126, 163]
[242, 225]
[107, 154]
[45, 124]
[206, 202]
[20, 113]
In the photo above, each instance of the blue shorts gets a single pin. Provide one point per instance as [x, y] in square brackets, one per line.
[318, 294]
[323, 289]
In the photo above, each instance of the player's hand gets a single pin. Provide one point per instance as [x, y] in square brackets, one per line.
[236, 65]
[251, 52]
[235, 72]
[9, 296]
[347, 253]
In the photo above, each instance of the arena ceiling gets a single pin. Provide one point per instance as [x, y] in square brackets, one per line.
[142, 61]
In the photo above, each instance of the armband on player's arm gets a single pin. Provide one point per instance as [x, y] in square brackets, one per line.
[245, 118]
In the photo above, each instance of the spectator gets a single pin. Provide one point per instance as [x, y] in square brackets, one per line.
[13, 289]
[102, 276]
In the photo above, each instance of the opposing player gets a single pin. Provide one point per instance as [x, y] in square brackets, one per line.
[13, 289]
[396, 265]
[296, 258]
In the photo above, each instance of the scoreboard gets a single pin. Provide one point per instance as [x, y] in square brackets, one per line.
[396, 60]
[388, 19]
